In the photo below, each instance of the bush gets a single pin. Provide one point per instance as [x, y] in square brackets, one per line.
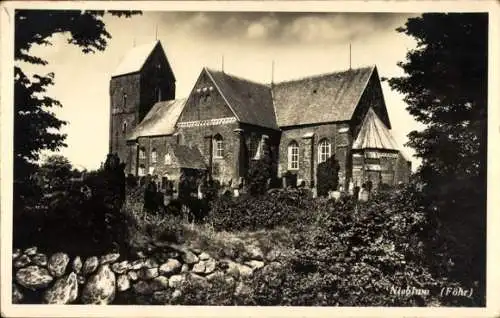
[260, 172]
[328, 176]
[277, 207]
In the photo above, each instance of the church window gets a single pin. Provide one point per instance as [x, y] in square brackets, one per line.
[154, 155]
[324, 150]
[293, 156]
[168, 159]
[124, 100]
[142, 153]
[141, 171]
[124, 126]
[218, 146]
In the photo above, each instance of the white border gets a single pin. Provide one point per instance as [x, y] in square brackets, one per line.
[6, 144]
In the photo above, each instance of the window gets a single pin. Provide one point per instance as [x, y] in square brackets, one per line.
[253, 146]
[158, 94]
[142, 153]
[142, 171]
[154, 155]
[324, 151]
[124, 126]
[293, 156]
[124, 100]
[168, 159]
[218, 146]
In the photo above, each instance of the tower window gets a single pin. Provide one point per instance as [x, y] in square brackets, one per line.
[124, 127]
[324, 150]
[218, 146]
[293, 156]
[124, 100]
[158, 94]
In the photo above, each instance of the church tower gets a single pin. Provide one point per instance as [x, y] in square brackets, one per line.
[143, 78]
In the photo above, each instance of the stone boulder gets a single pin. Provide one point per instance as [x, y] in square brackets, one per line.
[172, 266]
[132, 275]
[90, 265]
[254, 264]
[100, 288]
[148, 273]
[22, 261]
[33, 277]
[109, 258]
[57, 264]
[189, 258]
[204, 256]
[120, 267]
[31, 251]
[210, 266]
[64, 290]
[17, 296]
[39, 259]
[16, 253]
[122, 283]
[176, 281]
[199, 267]
[77, 265]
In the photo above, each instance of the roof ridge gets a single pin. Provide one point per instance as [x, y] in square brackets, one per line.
[316, 76]
[235, 76]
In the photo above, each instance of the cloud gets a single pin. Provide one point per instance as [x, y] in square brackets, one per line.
[284, 27]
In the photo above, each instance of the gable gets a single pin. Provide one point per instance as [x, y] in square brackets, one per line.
[320, 99]
[138, 56]
[251, 102]
[205, 102]
[373, 98]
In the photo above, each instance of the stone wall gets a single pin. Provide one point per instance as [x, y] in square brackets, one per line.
[60, 279]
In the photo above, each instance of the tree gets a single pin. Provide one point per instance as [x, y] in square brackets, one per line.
[56, 172]
[445, 88]
[260, 171]
[328, 176]
[36, 128]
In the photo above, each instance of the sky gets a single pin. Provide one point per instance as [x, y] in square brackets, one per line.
[300, 44]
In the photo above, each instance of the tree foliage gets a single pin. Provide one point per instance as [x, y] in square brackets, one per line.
[445, 87]
[328, 176]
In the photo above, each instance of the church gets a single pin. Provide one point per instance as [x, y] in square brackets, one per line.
[222, 125]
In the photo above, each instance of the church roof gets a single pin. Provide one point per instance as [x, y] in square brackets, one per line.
[374, 134]
[318, 99]
[160, 120]
[134, 60]
[251, 102]
[188, 157]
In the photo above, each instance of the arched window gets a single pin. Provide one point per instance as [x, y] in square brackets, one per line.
[142, 153]
[168, 159]
[218, 146]
[293, 155]
[324, 150]
[124, 100]
[141, 171]
[154, 155]
[124, 127]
